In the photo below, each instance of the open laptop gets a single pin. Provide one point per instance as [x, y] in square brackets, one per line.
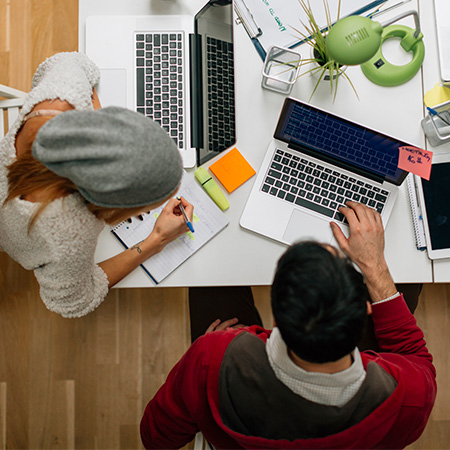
[316, 162]
[177, 70]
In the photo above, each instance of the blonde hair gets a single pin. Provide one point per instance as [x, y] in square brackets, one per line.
[26, 175]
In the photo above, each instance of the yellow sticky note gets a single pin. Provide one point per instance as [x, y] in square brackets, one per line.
[232, 170]
[437, 95]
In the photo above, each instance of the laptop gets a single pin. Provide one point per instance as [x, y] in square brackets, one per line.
[442, 15]
[316, 162]
[177, 70]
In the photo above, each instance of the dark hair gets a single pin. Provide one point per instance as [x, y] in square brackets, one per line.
[318, 302]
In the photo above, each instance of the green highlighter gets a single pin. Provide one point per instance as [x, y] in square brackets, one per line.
[211, 188]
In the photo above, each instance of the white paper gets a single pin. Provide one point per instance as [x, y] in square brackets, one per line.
[278, 19]
[208, 221]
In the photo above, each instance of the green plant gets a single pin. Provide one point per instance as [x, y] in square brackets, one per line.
[323, 65]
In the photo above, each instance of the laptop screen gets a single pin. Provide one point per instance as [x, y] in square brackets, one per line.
[213, 80]
[345, 142]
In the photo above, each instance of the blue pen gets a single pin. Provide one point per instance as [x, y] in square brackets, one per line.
[259, 48]
[188, 222]
[435, 113]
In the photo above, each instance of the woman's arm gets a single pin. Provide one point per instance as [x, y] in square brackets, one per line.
[169, 225]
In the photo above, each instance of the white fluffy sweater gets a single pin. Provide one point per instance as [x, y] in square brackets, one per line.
[61, 244]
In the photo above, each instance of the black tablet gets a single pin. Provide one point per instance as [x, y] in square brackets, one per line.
[434, 197]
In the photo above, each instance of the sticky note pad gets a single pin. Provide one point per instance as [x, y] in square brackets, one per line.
[232, 170]
[437, 95]
[415, 160]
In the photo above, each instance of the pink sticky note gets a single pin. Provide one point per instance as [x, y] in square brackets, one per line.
[415, 160]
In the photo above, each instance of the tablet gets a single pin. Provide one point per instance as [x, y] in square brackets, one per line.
[434, 198]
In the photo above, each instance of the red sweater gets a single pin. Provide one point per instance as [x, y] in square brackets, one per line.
[189, 400]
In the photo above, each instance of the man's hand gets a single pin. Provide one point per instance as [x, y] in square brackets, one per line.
[217, 325]
[365, 247]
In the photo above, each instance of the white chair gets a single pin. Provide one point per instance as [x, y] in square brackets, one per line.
[200, 443]
[9, 108]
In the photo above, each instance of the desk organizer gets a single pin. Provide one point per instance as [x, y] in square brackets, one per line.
[280, 69]
[435, 129]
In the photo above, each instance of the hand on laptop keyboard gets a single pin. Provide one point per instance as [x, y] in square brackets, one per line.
[365, 247]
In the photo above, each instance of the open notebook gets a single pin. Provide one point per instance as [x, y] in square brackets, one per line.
[208, 221]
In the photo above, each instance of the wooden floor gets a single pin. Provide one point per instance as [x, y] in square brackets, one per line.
[84, 383]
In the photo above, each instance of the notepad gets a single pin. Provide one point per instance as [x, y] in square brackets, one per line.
[416, 213]
[415, 160]
[232, 170]
[208, 221]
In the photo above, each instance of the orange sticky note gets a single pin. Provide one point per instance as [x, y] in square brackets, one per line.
[232, 170]
[415, 160]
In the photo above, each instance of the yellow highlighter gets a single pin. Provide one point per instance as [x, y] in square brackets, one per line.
[211, 188]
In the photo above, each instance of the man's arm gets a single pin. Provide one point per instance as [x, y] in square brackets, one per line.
[168, 420]
[365, 247]
[406, 356]
[395, 327]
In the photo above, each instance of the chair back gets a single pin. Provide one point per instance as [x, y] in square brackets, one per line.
[200, 443]
[10, 102]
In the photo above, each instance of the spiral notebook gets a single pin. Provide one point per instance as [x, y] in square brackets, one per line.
[208, 221]
[416, 213]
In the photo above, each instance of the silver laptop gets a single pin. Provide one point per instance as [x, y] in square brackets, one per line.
[177, 70]
[442, 15]
[316, 162]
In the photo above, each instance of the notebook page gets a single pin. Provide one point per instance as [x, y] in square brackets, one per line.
[208, 221]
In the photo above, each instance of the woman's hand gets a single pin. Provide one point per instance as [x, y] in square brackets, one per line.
[170, 223]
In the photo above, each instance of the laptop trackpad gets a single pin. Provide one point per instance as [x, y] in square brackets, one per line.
[304, 226]
[112, 89]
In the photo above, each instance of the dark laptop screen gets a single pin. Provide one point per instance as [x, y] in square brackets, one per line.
[353, 145]
[213, 80]
[435, 192]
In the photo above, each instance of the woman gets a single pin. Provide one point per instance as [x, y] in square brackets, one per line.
[66, 168]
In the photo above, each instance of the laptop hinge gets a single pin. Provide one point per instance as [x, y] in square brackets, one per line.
[195, 69]
[337, 162]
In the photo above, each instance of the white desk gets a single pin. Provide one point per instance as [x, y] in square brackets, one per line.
[239, 257]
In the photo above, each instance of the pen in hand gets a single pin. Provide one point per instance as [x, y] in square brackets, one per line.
[188, 222]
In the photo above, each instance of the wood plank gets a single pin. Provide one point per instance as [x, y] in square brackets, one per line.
[433, 316]
[20, 68]
[261, 295]
[107, 327]
[3, 400]
[15, 341]
[5, 32]
[130, 355]
[64, 38]
[42, 18]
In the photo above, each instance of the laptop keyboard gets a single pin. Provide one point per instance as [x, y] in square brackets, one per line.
[320, 189]
[221, 115]
[160, 80]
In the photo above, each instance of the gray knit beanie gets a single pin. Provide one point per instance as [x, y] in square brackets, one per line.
[116, 157]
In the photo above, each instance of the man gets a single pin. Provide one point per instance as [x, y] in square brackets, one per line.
[306, 384]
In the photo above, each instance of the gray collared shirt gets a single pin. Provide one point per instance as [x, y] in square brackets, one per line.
[326, 389]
